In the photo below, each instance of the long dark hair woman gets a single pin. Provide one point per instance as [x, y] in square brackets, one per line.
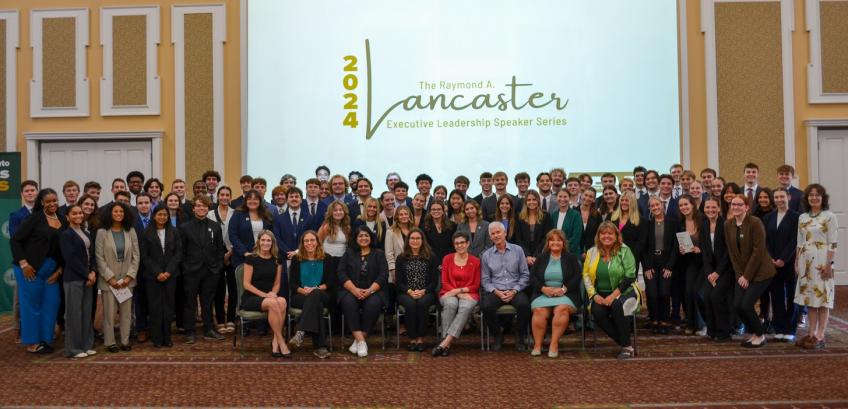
[79, 276]
[37, 263]
[729, 191]
[417, 273]
[160, 260]
[312, 277]
[688, 277]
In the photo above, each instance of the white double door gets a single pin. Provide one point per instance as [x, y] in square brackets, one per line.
[100, 161]
[833, 175]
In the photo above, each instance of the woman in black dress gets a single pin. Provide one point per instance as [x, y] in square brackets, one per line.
[262, 273]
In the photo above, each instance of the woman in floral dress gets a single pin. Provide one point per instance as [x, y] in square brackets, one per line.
[817, 238]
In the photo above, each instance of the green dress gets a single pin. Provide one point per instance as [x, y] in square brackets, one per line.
[553, 278]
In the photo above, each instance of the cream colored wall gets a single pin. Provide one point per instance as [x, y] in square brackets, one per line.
[165, 121]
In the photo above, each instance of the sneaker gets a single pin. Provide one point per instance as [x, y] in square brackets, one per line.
[626, 353]
[91, 352]
[802, 323]
[354, 347]
[321, 353]
[778, 337]
[297, 339]
[81, 355]
[189, 339]
[702, 332]
[213, 335]
[362, 350]
[629, 307]
[788, 338]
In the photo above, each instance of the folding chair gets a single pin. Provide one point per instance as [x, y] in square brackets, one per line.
[295, 313]
[401, 311]
[244, 316]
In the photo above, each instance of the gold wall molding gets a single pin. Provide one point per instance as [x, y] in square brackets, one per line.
[70, 96]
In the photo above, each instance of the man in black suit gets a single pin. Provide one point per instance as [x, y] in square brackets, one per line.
[490, 204]
[363, 193]
[202, 260]
[486, 186]
[752, 188]
[785, 174]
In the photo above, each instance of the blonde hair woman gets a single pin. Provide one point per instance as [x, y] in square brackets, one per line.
[262, 271]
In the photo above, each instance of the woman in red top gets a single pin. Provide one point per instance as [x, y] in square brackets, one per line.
[459, 293]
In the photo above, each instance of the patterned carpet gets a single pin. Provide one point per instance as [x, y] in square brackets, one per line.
[670, 371]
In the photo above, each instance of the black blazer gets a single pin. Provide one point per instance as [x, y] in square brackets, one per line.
[441, 244]
[154, 258]
[402, 279]
[202, 246]
[571, 275]
[635, 237]
[685, 259]
[78, 263]
[532, 243]
[327, 278]
[377, 271]
[714, 254]
[35, 241]
[378, 242]
[590, 230]
[781, 240]
[669, 245]
[489, 206]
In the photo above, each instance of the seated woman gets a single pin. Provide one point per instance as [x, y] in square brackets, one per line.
[363, 272]
[310, 275]
[555, 279]
[460, 291]
[609, 272]
[417, 273]
[262, 272]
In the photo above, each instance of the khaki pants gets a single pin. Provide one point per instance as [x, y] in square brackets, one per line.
[110, 307]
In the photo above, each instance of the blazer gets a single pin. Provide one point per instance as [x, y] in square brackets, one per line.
[714, 252]
[353, 209]
[288, 234]
[671, 211]
[635, 237]
[571, 275]
[348, 197]
[669, 247]
[441, 244]
[202, 246]
[589, 232]
[108, 266]
[35, 241]
[320, 211]
[139, 224]
[17, 217]
[394, 246]
[795, 196]
[240, 233]
[572, 226]
[532, 243]
[78, 261]
[490, 205]
[379, 242]
[782, 239]
[376, 272]
[432, 275]
[481, 240]
[749, 255]
[154, 258]
[328, 278]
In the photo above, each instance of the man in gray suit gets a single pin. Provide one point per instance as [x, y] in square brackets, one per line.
[490, 204]
[544, 184]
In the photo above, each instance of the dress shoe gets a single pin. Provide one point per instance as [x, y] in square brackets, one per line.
[321, 353]
[412, 347]
[141, 337]
[498, 342]
[189, 339]
[275, 354]
[126, 348]
[438, 350]
[113, 348]
[168, 344]
[420, 347]
[520, 346]
[213, 335]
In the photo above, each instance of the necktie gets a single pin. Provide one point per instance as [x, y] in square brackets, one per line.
[665, 205]
[750, 195]
[312, 209]
[145, 221]
[294, 219]
[545, 204]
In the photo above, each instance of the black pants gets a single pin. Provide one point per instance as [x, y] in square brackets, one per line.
[490, 304]
[678, 289]
[312, 307]
[693, 303]
[160, 298]
[417, 312]
[717, 306]
[612, 320]
[361, 315]
[140, 305]
[658, 289]
[784, 310]
[744, 300]
[179, 303]
[203, 284]
[227, 288]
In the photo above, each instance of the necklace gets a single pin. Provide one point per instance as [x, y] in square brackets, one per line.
[54, 217]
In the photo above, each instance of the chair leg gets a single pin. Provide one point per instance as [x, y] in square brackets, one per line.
[330, 331]
[397, 328]
[635, 348]
[383, 330]
[241, 330]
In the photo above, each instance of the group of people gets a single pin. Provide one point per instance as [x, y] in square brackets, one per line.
[710, 251]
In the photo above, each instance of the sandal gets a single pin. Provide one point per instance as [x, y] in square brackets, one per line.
[231, 327]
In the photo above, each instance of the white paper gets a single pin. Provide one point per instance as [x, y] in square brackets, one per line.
[121, 294]
[685, 241]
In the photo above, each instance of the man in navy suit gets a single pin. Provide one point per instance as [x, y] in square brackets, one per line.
[29, 192]
[312, 203]
[142, 220]
[781, 239]
[401, 193]
[363, 193]
[664, 193]
[785, 174]
[338, 191]
[290, 225]
[71, 191]
[752, 188]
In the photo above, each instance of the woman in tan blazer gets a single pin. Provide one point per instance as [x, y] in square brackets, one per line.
[117, 254]
[745, 236]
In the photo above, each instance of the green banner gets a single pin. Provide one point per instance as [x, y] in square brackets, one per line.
[10, 201]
